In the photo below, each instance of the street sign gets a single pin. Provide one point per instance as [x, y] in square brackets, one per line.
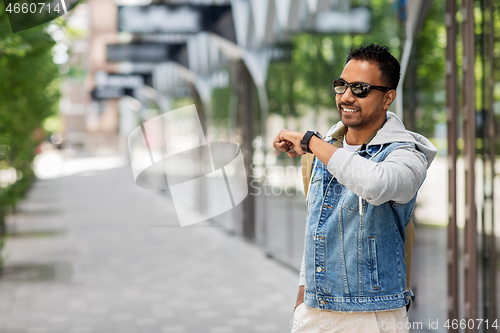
[104, 79]
[111, 92]
[169, 18]
[141, 52]
[118, 85]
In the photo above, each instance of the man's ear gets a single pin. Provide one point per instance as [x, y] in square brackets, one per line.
[389, 97]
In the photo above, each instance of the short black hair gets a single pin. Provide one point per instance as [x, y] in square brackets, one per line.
[388, 65]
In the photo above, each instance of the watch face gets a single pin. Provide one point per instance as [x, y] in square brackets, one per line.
[318, 135]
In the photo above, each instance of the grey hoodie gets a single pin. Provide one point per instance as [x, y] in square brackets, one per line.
[397, 178]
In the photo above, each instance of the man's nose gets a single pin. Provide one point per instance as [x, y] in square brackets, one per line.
[347, 96]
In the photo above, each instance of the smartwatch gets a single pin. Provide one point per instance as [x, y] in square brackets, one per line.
[304, 143]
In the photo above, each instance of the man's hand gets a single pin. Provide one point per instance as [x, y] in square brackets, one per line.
[289, 142]
[300, 296]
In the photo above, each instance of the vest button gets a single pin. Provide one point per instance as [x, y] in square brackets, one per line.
[319, 269]
[322, 302]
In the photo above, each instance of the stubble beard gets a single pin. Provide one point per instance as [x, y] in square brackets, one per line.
[359, 121]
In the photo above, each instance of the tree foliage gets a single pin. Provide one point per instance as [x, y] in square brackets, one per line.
[430, 60]
[29, 93]
[303, 84]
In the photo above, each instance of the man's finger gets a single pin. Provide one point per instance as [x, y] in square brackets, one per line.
[282, 146]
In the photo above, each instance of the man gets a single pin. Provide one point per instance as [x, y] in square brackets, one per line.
[364, 181]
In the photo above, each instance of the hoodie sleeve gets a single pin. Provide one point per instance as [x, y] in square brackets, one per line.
[397, 178]
[302, 274]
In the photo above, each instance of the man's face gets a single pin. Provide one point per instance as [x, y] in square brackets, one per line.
[356, 112]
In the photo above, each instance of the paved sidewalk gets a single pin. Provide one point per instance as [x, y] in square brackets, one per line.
[93, 252]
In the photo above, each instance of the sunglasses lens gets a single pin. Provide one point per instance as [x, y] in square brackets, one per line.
[360, 90]
[339, 87]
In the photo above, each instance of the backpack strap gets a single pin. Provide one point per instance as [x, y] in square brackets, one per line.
[409, 241]
[307, 164]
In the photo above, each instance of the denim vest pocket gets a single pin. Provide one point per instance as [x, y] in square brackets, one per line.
[314, 188]
[316, 183]
[372, 245]
[350, 201]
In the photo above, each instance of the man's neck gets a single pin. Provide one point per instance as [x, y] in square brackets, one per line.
[354, 136]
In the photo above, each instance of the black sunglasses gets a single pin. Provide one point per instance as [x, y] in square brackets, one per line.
[359, 89]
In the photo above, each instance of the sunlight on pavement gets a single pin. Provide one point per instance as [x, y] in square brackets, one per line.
[52, 164]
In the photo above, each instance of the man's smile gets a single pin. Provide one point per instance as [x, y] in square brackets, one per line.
[349, 110]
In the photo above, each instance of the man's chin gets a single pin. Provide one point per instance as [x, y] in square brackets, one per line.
[349, 122]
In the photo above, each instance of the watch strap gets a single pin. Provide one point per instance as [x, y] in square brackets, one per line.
[304, 143]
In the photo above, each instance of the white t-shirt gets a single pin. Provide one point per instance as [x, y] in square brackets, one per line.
[351, 148]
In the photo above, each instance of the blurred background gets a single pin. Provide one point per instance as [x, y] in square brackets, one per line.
[84, 249]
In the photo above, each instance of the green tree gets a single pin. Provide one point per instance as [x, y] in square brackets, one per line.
[430, 70]
[29, 93]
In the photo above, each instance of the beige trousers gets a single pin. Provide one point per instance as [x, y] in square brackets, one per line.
[307, 320]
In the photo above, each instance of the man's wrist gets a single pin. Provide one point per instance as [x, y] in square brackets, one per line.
[304, 143]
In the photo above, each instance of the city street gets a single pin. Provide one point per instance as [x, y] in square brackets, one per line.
[93, 252]
[90, 251]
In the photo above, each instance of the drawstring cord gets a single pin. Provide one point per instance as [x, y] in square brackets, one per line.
[361, 206]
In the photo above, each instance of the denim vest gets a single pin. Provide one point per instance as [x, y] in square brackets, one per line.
[354, 251]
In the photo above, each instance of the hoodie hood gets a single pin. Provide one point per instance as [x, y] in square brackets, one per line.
[394, 131]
